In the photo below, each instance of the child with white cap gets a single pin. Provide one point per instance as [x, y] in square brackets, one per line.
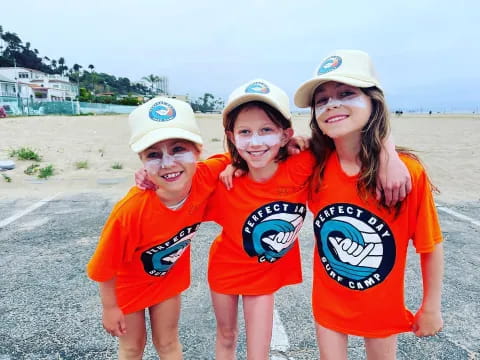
[142, 260]
[257, 252]
[361, 243]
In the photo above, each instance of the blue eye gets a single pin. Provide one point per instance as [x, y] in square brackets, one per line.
[154, 155]
[321, 101]
[178, 148]
[266, 130]
[347, 93]
[244, 132]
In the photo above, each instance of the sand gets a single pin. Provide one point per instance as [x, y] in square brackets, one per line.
[449, 146]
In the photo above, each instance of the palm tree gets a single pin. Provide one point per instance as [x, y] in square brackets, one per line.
[61, 63]
[91, 67]
[53, 64]
[153, 80]
[76, 68]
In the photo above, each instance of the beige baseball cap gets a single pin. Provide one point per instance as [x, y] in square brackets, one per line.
[258, 90]
[161, 119]
[352, 67]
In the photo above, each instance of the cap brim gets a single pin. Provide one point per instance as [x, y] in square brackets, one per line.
[252, 97]
[154, 136]
[303, 96]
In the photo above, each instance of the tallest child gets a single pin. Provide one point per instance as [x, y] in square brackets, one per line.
[361, 244]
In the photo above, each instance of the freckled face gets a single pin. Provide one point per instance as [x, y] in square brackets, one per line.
[341, 109]
[171, 163]
[257, 138]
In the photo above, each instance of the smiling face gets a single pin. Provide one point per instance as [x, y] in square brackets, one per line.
[257, 138]
[171, 164]
[341, 110]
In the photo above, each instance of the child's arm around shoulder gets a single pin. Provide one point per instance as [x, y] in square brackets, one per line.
[393, 176]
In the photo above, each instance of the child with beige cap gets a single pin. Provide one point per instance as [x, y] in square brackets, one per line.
[142, 260]
[257, 252]
[361, 243]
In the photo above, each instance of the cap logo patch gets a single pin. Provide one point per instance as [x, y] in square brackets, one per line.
[162, 111]
[257, 88]
[330, 64]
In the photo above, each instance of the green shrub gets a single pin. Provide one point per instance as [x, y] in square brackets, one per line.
[81, 164]
[7, 178]
[46, 172]
[117, 166]
[32, 169]
[25, 153]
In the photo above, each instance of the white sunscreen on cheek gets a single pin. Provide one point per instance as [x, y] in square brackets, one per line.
[243, 142]
[185, 157]
[167, 160]
[356, 101]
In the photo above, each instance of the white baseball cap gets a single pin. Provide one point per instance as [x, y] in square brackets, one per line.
[161, 119]
[351, 67]
[258, 90]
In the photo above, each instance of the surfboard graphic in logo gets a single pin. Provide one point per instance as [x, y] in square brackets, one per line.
[356, 248]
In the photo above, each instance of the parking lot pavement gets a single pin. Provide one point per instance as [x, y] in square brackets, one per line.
[50, 310]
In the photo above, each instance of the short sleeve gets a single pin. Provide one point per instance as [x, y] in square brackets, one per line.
[426, 229]
[209, 170]
[300, 166]
[111, 251]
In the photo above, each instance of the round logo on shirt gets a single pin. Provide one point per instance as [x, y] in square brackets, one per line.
[271, 230]
[356, 248]
[158, 260]
[162, 111]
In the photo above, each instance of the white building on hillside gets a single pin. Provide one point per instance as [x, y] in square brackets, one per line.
[7, 87]
[40, 86]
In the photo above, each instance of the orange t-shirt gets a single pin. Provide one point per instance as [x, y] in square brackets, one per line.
[145, 245]
[257, 252]
[361, 250]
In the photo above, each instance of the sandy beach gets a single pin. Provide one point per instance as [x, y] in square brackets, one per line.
[449, 146]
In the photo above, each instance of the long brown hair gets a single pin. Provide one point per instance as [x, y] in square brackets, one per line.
[373, 135]
[273, 114]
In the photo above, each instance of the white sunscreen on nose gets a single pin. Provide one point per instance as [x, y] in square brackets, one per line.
[167, 160]
[356, 101]
[243, 142]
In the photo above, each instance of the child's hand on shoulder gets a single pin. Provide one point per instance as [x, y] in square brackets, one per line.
[114, 321]
[226, 176]
[427, 322]
[142, 181]
[298, 144]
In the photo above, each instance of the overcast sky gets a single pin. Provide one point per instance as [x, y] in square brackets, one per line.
[427, 52]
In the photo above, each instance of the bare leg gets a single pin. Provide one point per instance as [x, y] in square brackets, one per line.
[258, 312]
[164, 321]
[381, 348]
[226, 314]
[132, 344]
[332, 344]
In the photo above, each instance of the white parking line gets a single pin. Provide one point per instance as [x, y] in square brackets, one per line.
[279, 337]
[458, 215]
[18, 215]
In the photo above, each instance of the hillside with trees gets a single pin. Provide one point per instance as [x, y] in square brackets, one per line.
[93, 86]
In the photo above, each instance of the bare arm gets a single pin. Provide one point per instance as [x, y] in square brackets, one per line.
[112, 317]
[393, 176]
[428, 319]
